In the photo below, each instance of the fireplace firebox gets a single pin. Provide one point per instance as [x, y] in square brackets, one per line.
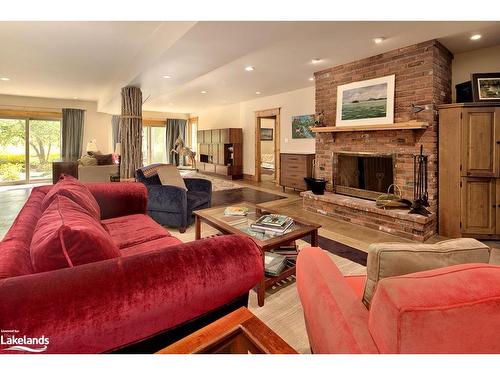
[363, 175]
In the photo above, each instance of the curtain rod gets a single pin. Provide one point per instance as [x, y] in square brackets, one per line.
[35, 107]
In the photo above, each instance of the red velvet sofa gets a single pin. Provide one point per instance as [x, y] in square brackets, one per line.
[453, 309]
[154, 291]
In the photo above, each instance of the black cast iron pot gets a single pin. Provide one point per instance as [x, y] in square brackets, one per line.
[316, 185]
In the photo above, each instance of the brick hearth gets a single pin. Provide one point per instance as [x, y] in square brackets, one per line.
[423, 77]
[366, 213]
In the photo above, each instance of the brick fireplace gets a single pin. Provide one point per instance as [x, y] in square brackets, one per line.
[423, 77]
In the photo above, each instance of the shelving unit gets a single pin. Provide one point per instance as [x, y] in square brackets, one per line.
[220, 151]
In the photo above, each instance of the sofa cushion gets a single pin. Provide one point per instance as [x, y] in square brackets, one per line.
[158, 244]
[448, 310]
[394, 259]
[131, 230]
[67, 236]
[73, 189]
[170, 175]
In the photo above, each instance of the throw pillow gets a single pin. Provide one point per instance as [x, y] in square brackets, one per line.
[106, 159]
[87, 160]
[395, 259]
[73, 189]
[170, 175]
[67, 236]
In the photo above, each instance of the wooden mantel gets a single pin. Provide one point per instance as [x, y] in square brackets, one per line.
[409, 125]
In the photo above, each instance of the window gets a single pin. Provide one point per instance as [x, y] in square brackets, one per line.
[27, 148]
[193, 128]
[153, 144]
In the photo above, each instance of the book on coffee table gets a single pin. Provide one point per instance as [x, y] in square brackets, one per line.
[236, 211]
[274, 264]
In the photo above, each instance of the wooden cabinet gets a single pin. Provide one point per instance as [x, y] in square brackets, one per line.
[480, 142]
[220, 151]
[293, 169]
[201, 136]
[469, 163]
[478, 201]
[216, 136]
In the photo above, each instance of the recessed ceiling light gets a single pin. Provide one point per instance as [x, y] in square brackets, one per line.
[203, 92]
[311, 78]
[4, 79]
[476, 37]
[257, 92]
[316, 60]
[75, 97]
[249, 68]
[167, 76]
[379, 39]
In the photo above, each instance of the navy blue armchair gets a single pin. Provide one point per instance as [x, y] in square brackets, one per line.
[172, 206]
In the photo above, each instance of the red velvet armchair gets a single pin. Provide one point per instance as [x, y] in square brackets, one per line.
[154, 292]
[453, 309]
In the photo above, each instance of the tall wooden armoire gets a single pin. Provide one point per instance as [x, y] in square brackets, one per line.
[469, 170]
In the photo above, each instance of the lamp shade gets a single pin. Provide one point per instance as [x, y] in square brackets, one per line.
[118, 148]
[92, 146]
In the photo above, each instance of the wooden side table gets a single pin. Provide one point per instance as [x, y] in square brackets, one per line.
[239, 332]
[60, 166]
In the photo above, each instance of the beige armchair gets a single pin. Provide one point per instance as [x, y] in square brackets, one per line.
[97, 173]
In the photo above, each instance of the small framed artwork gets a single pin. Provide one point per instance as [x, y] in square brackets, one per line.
[366, 102]
[301, 126]
[486, 87]
[266, 134]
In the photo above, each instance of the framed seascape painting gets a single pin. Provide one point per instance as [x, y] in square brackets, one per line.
[486, 87]
[366, 102]
[301, 126]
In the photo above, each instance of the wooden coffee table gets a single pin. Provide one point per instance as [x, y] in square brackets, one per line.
[239, 332]
[300, 229]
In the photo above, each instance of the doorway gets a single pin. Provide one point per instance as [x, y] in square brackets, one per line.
[267, 146]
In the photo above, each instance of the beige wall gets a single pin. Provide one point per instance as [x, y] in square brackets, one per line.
[267, 147]
[242, 115]
[483, 60]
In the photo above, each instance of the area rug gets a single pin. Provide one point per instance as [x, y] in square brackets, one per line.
[218, 184]
[341, 250]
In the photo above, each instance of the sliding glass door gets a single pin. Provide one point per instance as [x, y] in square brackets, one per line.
[154, 145]
[27, 148]
[44, 147]
[12, 151]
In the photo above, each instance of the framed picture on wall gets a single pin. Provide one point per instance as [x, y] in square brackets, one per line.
[366, 102]
[266, 134]
[301, 126]
[486, 87]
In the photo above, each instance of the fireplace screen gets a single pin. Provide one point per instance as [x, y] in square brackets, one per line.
[364, 176]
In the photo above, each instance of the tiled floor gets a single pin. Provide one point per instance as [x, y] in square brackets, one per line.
[282, 310]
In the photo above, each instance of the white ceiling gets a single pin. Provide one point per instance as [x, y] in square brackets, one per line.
[93, 60]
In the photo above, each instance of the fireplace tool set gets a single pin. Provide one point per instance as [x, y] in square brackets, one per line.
[420, 193]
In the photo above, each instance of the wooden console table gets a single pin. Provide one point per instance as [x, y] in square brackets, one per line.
[60, 166]
[239, 332]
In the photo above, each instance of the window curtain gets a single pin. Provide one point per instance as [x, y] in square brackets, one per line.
[131, 131]
[72, 133]
[175, 128]
[115, 126]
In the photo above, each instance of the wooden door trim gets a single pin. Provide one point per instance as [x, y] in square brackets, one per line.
[272, 112]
